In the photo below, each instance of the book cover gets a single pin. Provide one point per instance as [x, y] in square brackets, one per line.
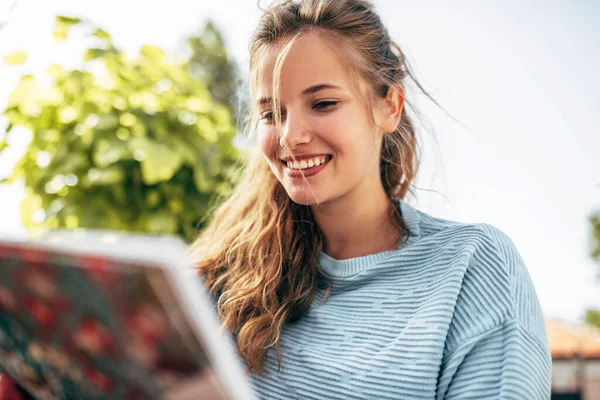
[110, 316]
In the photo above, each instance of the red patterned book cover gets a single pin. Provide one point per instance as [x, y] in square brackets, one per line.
[101, 315]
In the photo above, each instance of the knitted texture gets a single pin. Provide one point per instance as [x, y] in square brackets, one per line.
[451, 314]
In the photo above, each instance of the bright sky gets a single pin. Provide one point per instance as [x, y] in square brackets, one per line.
[522, 76]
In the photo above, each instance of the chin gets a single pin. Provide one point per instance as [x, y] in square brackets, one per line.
[305, 197]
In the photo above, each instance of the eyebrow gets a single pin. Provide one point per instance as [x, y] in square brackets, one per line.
[311, 90]
[321, 86]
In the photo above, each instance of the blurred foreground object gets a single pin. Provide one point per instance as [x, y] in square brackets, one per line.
[102, 315]
[122, 144]
[8, 388]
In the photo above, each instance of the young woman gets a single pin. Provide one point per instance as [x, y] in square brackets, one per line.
[332, 285]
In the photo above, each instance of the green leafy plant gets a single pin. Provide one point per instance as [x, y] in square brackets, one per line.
[592, 317]
[210, 62]
[595, 228]
[122, 143]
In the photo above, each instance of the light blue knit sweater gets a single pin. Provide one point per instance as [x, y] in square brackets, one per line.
[451, 314]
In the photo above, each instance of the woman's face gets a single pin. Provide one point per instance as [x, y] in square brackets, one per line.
[326, 124]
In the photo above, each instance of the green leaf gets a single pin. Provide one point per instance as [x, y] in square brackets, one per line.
[62, 24]
[120, 193]
[109, 152]
[68, 114]
[67, 21]
[592, 317]
[21, 93]
[202, 180]
[152, 198]
[105, 177]
[102, 34]
[92, 54]
[30, 204]
[595, 230]
[18, 57]
[152, 52]
[187, 153]
[163, 222]
[60, 36]
[72, 164]
[107, 122]
[158, 162]
[55, 71]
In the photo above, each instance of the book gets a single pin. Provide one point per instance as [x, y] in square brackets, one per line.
[104, 315]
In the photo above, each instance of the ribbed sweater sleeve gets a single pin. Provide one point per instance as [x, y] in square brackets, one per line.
[505, 354]
[506, 362]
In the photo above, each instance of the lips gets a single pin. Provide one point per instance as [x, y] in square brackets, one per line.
[306, 163]
[306, 166]
[300, 157]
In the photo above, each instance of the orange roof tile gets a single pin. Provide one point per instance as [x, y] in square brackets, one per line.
[570, 340]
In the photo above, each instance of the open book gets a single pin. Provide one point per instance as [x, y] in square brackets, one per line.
[104, 315]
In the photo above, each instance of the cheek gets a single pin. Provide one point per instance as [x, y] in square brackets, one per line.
[356, 133]
[268, 142]
[344, 133]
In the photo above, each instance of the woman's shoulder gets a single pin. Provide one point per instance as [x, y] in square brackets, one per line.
[476, 236]
[496, 290]
[483, 256]
[493, 264]
[495, 286]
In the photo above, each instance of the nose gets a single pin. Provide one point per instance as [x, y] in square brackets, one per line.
[296, 131]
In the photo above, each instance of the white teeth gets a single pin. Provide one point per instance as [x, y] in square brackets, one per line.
[313, 162]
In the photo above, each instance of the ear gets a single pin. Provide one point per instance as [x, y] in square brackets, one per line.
[392, 107]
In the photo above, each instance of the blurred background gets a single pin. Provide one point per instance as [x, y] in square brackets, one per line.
[126, 115]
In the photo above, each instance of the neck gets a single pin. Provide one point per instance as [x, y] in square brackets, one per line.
[357, 224]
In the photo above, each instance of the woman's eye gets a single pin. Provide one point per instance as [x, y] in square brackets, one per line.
[268, 116]
[325, 105]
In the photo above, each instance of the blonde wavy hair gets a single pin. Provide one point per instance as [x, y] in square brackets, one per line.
[259, 255]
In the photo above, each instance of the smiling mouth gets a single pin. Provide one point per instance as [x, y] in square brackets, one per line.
[307, 163]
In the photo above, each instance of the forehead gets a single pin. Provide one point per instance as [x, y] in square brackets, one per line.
[311, 60]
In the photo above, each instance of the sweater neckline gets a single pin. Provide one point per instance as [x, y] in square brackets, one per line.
[351, 266]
